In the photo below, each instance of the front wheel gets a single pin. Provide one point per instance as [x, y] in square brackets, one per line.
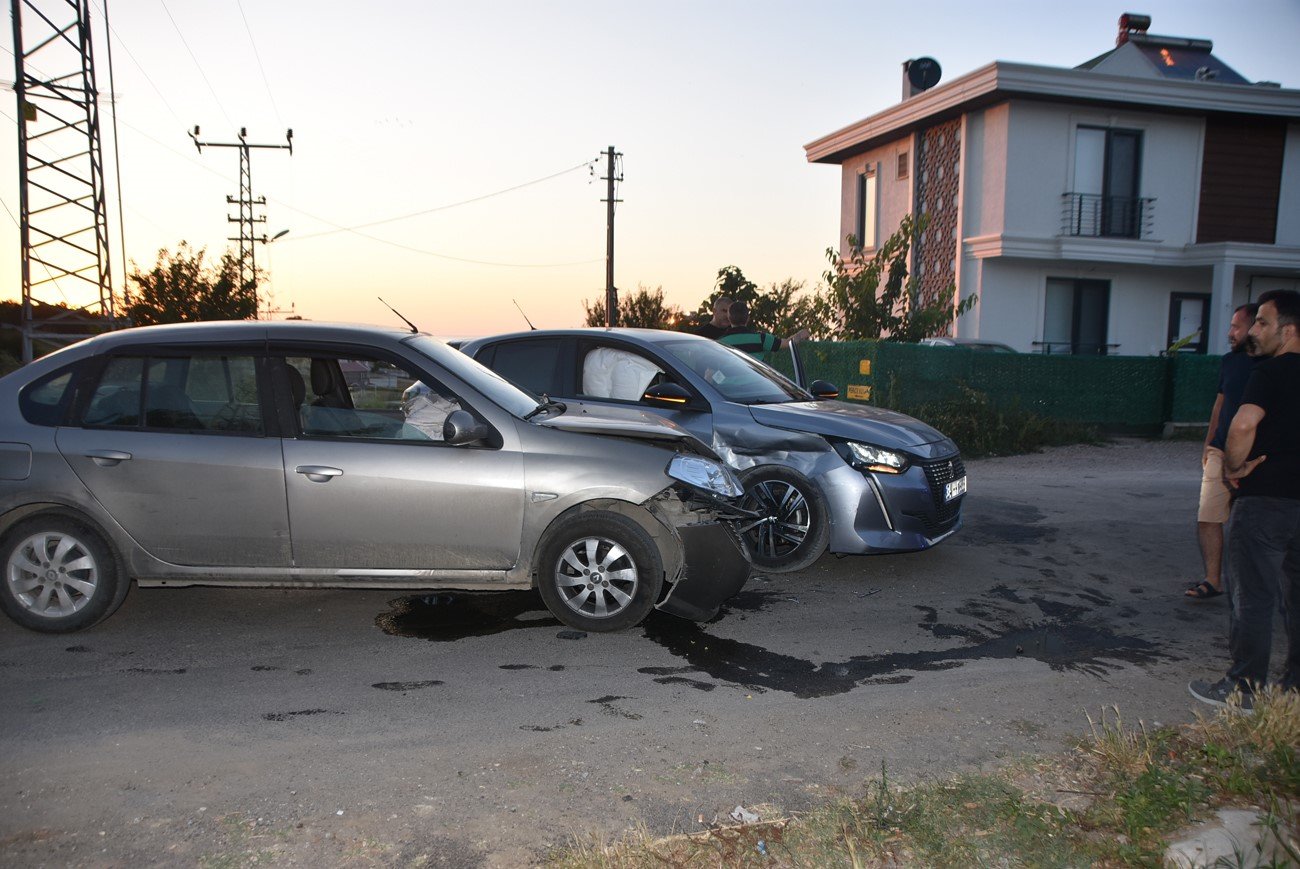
[793, 529]
[599, 571]
[59, 575]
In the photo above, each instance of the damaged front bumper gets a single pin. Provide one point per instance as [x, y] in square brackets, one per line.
[714, 568]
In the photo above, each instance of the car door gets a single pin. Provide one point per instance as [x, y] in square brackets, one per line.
[597, 372]
[372, 486]
[175, 446]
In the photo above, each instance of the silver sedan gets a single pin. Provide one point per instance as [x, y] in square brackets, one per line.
[299, 454]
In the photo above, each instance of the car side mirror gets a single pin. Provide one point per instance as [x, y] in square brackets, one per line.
[823, 389]
[460, 427]
[667, 395]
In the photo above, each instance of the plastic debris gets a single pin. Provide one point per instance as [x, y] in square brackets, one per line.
[743, 815]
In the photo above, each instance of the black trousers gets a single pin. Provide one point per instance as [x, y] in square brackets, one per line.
[1263, 574]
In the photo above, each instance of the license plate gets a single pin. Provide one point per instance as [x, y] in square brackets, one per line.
[955, 489]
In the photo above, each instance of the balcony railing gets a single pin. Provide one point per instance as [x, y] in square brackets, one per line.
[1094, 216]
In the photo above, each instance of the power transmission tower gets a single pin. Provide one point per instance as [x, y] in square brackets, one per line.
[63, 222]
[247, 219]
[613, 175]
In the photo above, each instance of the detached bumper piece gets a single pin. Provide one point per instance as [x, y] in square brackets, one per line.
[715, 569]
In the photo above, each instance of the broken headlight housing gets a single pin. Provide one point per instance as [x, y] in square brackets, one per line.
[705, 475]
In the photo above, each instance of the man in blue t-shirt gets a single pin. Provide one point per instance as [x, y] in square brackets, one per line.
[1212, 513]
[1262, 461]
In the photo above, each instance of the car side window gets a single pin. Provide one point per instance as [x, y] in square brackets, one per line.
[534, 365]
[44, 401]
[365, 398]
[202, 393]
[617, 373]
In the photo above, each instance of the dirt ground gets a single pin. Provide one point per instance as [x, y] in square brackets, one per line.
[216, 727]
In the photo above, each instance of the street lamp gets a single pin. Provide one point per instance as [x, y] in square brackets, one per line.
[271, 311]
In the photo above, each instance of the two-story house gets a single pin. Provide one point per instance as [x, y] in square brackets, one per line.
[1110, 208]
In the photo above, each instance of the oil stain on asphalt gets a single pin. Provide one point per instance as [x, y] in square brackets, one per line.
[1059, 636]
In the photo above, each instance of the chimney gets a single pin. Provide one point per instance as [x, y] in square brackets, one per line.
[1132, 24]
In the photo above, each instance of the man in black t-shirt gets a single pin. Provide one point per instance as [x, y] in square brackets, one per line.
[721, 322]
[1262, 461]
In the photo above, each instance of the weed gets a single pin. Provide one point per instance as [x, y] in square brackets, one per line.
[1146, 784]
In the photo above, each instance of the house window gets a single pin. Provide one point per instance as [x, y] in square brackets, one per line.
[1106, 198]
[1189, 315]
[865, 231]
[902, 165]
[1075, 317]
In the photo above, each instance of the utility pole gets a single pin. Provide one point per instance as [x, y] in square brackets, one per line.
[614, 174]
[247, 220]
[63, 220]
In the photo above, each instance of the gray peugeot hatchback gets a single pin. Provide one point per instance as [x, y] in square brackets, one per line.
[298, 454]
[819, 474]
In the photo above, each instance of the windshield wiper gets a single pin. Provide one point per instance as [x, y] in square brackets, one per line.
[544, 405]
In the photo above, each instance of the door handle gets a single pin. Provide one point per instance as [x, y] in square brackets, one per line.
[318, 473]
[108, 458]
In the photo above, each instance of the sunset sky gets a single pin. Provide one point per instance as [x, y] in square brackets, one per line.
[403, 112]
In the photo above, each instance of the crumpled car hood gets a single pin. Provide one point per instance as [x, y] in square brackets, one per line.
[624, 422]
[859, 422]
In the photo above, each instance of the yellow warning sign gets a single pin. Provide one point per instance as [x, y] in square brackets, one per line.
[859, 393]
[864, 367]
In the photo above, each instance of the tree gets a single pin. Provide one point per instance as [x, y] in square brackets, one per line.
[642, 309]
[780, 309]
[877, 298]
[182, 288]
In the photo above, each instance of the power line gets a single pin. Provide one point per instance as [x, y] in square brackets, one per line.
[117, 152]
[447, 206]
[140, 67]
[197, 65]
[257, 55]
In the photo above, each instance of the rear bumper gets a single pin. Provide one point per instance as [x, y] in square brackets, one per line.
[715, 568]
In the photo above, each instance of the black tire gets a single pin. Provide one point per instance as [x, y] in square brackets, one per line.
[795, 526]
[620, 555]
[60, 575]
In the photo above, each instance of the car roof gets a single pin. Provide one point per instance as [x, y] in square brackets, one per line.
[243, 330]
[635, 336]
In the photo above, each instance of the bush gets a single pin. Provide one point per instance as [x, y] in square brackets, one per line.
[980, 428]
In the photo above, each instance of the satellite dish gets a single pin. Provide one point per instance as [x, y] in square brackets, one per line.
[924, 73]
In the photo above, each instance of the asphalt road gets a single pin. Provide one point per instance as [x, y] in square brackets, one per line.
[356, 728]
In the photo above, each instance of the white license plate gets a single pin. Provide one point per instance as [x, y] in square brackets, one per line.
[955, 489]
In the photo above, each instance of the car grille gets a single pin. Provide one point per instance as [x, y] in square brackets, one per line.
[939, 474]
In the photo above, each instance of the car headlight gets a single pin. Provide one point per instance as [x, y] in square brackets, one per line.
[705, 474]
[866, 457]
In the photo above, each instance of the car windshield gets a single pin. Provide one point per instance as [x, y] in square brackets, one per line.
[510, 397]
[736, 375]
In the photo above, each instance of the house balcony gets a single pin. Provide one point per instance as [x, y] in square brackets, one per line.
[1089, 215]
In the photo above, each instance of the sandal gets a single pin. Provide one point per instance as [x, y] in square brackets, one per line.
[1202, 591]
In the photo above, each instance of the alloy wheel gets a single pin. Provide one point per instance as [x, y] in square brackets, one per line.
[52, 574]
[596, 577]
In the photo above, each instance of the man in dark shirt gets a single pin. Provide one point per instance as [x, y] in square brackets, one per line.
[1262, 460]
[721, 322]
[745, 337]
[1212, 513]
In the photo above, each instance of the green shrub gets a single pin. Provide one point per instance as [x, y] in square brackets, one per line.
[981, 428]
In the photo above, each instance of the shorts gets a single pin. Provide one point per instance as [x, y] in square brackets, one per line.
[1216, 497]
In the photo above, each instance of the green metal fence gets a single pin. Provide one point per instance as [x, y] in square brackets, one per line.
[1137, 394]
